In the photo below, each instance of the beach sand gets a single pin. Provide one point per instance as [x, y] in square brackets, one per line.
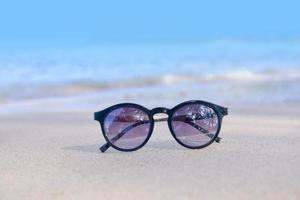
[54, 155]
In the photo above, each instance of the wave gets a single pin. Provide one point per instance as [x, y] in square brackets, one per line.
[31, 91]
[262, 76]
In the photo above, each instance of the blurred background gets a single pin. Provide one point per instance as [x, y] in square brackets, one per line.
[83, 55]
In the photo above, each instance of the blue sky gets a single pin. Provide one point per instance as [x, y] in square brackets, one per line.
[31, 24]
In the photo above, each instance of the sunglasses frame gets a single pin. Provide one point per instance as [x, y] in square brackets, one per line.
[101, 115]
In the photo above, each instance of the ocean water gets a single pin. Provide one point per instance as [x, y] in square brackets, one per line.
[224, 71]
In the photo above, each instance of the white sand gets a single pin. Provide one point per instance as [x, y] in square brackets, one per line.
[55, 156]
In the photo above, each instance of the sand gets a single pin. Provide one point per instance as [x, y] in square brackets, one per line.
[54, 155]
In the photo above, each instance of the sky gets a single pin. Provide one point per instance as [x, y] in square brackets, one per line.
[69, 23]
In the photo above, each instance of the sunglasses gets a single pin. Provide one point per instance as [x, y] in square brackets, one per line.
[127, 126]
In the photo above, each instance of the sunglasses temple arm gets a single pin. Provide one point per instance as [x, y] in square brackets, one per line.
[206, 132]
[104, 147]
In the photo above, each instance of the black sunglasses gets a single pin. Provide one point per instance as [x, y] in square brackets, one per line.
[193, 124]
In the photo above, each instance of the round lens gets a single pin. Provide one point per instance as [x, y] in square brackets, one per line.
[195, 125]
[127, 127]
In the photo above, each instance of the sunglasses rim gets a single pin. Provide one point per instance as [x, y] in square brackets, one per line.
[132, 105]
[176, 108]
[101, 116]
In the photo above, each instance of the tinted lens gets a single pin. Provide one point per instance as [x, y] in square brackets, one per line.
[127, 127]
[195, 125]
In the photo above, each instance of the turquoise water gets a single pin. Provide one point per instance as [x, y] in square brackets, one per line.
[255, 67]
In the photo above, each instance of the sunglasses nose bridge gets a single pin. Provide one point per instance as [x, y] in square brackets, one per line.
[160, 110]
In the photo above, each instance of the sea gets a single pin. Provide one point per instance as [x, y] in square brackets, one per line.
[96, 76]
